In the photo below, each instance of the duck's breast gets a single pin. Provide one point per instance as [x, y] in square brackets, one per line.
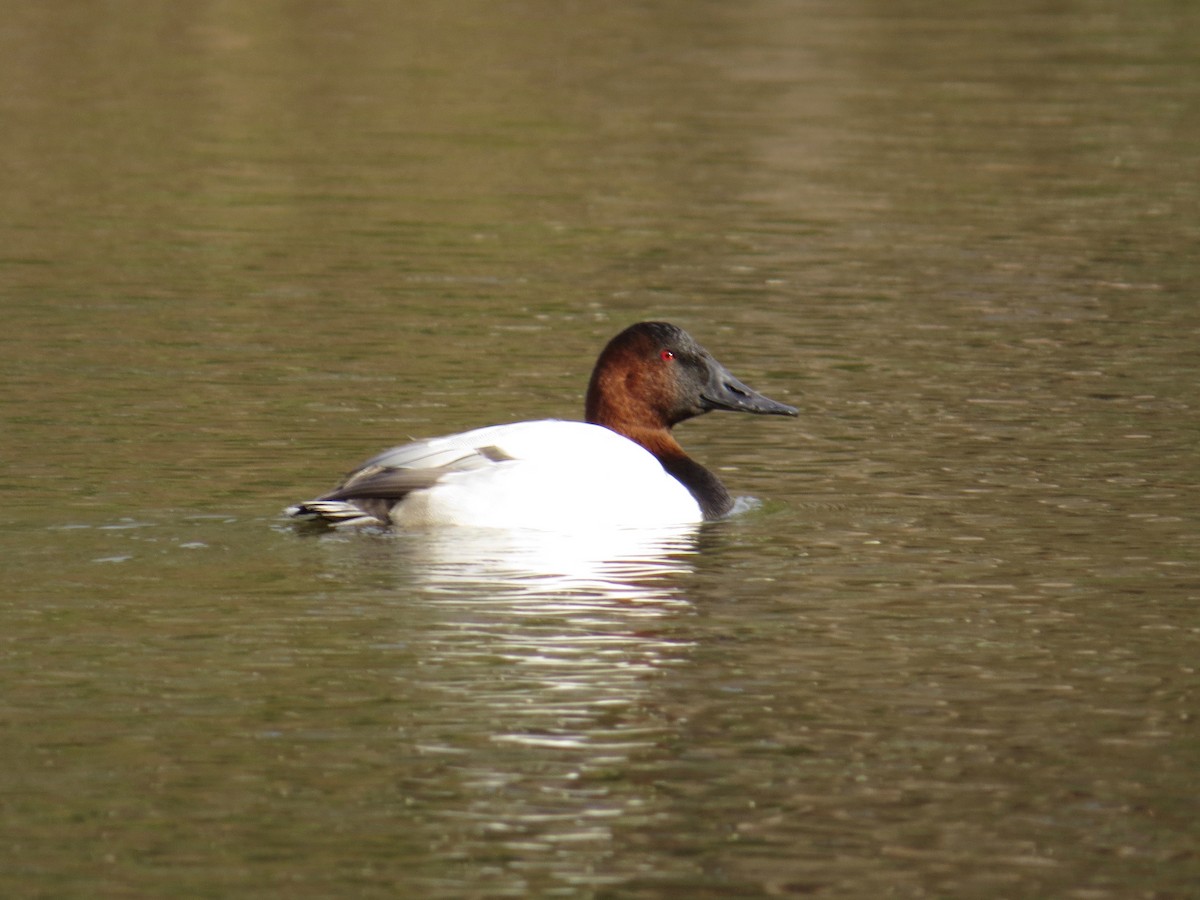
[548, 474]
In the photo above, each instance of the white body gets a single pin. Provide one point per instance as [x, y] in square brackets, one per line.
[551, 475]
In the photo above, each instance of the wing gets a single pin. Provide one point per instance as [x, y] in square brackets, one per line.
[386, 481]
[367, 494]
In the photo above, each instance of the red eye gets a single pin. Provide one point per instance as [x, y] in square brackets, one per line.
[666, 355]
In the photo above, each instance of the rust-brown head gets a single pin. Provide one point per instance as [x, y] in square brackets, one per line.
[653, 375]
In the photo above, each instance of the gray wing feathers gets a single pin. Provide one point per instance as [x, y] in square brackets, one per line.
[367, 494]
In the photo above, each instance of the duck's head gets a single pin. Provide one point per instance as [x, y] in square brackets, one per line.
[654, 375]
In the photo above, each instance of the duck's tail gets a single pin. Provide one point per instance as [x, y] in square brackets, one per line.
[337, 513]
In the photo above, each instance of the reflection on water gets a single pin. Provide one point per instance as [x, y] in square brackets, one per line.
[631, 565]
[575, 621]
[540, 654]
[618, 564]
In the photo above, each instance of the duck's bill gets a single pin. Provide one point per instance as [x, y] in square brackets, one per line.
[725, 392]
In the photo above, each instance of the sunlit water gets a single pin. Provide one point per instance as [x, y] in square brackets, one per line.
[949, 649]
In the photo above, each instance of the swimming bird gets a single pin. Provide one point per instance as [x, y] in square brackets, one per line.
[622, 467]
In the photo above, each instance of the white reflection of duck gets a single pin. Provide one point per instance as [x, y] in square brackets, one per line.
[629, 564]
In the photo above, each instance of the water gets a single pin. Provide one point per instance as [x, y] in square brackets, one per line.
[951, 652]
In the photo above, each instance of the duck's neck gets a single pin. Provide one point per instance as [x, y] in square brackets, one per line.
[706, 487]
[702, 484]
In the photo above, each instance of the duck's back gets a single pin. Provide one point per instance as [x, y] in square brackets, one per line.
[546, 474]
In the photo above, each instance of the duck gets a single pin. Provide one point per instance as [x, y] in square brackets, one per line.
[621, 467]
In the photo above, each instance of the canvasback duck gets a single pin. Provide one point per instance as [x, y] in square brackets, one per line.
[622, 467]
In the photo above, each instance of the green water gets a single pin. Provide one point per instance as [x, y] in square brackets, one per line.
[951, 653]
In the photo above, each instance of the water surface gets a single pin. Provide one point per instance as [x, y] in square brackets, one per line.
[951, 652]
